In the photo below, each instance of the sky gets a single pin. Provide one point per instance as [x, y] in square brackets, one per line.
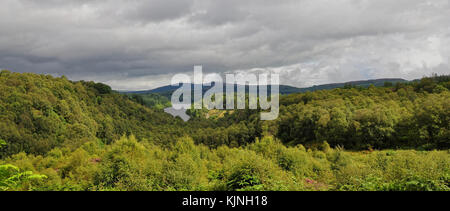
[141, 44]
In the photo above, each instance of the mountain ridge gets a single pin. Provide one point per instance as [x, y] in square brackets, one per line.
[284, 89]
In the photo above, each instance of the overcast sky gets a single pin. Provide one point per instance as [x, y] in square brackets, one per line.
[140, 44]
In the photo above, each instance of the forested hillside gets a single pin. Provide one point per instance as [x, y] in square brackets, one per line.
[401, 115]
[405, 115]
[56, 134]
[39, 112]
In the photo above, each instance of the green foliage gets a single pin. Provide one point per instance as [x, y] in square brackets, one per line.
[244, 178]
[152, 100]
[388, 84]
[102, 88]
[84, 136]
[11, 178]
[128, 164]
[372, 183]
[408, 116]
[2, 143]
[39, 112]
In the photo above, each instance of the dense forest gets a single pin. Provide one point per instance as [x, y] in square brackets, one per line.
[56, 134]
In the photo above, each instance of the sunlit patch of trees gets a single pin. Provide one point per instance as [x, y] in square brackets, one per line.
[267, 164]
[415, 115]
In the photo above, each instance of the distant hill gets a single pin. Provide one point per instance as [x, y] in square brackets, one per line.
[364, 83]
[284, 89]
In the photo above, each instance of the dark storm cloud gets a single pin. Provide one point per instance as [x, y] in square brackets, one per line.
[139, 44]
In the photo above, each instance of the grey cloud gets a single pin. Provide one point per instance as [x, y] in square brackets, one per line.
[142, 42]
